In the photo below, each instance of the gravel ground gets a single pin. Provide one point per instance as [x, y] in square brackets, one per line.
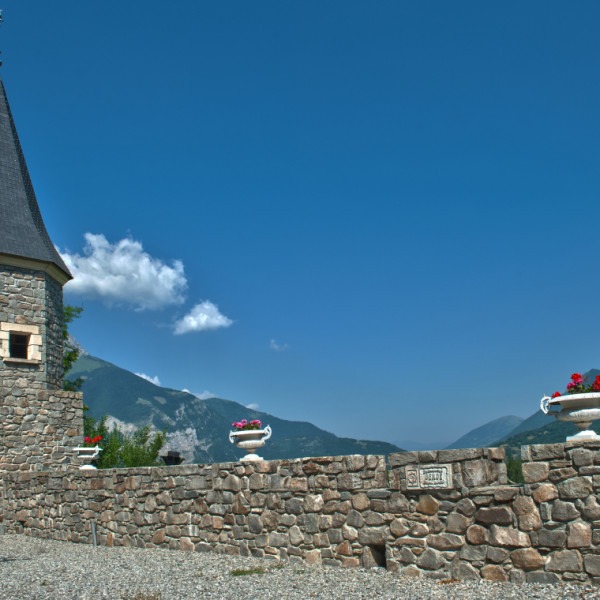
[32, 568]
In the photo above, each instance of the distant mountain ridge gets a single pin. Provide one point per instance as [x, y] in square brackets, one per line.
[538, 428]
[487, 434]
[199, 428]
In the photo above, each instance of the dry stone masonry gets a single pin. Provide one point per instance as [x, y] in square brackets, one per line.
[31, 303]
[347, 511]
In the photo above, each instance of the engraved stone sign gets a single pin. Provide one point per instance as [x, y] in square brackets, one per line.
[429, 476]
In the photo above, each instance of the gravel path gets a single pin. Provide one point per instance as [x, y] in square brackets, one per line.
[32, 568]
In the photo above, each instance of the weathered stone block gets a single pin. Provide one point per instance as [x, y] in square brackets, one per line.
[466, 507]
[473, 553]
[540, 452]
[313, 503]
[550, 578]
[564, 511]
[497, 555]
[355, 519]
[582, 457]
[500, 515]
[545, 493]
[577, 487]
[255, 524]
[350, 533]
[457, 523]
[555, 538]
[527, 559]
[579, 535]
[360, 501]
[476, 534]
[535, 471]
[592, 564]
[372, 535]
[565, 560]
[508, 536]
[427, 505]
[294, 506]
[464, 571]
[445, 541]
[505, 494]
[591, 509]
[431, 560]
[561, 474]
[494, 573]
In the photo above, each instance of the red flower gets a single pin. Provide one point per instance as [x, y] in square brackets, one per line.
[87, 440]
[556, 394]
[577, 378]
[97, 439]
[596, 384]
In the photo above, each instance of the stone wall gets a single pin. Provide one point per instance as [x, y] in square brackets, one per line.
[31, 301]
[465, 523]
[40, 428]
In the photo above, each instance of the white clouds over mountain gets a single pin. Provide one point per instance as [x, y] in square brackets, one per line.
[155, 380]
[123, 273]
[202, 317]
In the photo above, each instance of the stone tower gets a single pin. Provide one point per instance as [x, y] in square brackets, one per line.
[37, 417]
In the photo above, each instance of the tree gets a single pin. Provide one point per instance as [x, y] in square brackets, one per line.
[514, 469]
[119, 449]
[70, 350]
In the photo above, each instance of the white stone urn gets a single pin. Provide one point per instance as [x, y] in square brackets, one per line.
[88, 454]
[581, 409]
[249, 440]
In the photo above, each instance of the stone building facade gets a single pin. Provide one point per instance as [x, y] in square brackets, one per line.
[40, 424]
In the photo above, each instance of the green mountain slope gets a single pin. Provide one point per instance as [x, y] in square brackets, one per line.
[487, 434]
[551, 433]
[535, 421]
[199, 428]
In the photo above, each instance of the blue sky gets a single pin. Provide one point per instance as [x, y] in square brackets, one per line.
[377, 217]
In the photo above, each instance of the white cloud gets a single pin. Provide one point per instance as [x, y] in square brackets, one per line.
[205, 395]
[277, 347]
[253, 406]
[203, 316]
[155, 380]
[124, 273]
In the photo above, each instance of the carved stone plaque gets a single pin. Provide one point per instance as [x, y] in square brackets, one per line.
[428, 477]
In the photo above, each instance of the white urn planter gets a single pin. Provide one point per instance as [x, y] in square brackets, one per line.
[88, 454]
[249, 440]
[581, 409]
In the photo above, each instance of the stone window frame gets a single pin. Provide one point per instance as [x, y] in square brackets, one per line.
[34, 348]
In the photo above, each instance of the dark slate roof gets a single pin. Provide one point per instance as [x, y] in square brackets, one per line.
[22, 230]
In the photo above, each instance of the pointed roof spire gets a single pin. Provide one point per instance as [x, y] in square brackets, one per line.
[23, 234]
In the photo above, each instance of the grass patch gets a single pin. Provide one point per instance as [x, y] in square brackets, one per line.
[255, 571]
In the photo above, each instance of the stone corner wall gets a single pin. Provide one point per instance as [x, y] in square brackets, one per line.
[40, 428]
